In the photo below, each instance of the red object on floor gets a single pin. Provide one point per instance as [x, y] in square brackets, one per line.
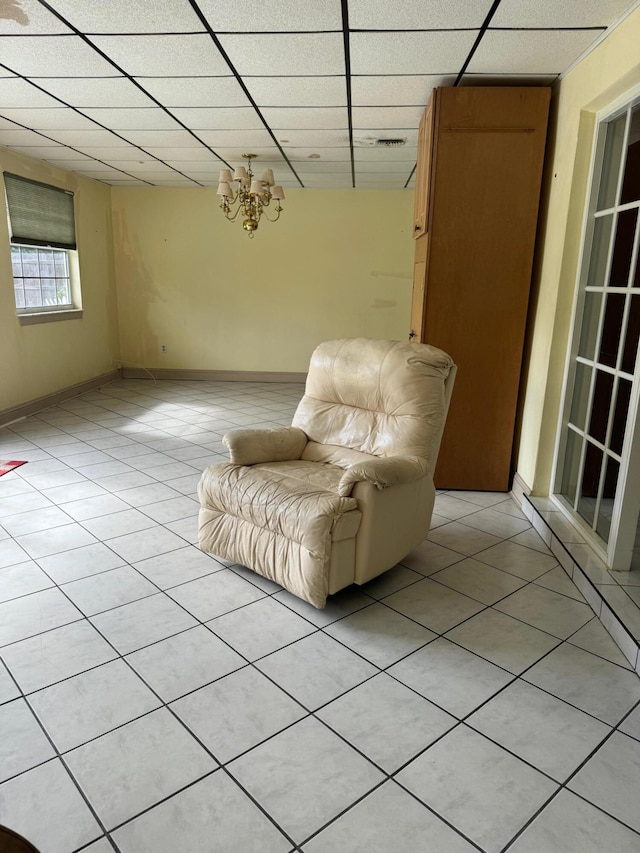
[5, 467]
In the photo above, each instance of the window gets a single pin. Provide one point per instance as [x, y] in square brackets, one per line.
[40, 278]
[43, 243]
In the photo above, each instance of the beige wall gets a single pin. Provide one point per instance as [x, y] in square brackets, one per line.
[608, 72]
[337, 264]
[37, 360]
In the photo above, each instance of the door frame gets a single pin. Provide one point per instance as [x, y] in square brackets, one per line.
[616, 553]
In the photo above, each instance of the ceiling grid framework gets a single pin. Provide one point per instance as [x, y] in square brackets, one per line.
[134, 93]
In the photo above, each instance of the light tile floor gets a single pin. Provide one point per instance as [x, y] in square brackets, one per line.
[153, 699]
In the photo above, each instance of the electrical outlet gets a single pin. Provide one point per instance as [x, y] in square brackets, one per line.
[163, 347]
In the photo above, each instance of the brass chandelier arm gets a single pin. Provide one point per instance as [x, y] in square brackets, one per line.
[278, 210]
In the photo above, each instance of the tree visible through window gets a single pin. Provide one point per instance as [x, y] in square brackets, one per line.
[41, 277]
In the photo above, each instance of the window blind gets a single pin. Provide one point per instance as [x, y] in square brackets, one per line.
[40, 215]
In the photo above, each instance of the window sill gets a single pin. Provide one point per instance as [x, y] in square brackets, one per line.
[49, 317]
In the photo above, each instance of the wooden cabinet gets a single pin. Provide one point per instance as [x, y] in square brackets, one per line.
[478, 181]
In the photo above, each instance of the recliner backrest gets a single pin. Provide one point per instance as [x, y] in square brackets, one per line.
[383, 398]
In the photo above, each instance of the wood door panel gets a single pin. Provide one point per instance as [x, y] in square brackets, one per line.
[484, 202]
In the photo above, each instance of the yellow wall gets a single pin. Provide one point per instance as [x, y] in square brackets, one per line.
[604, 75]
[337, 264]
[40, 359]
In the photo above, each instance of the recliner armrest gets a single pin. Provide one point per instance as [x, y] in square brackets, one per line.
[252, 446]
[383, 472]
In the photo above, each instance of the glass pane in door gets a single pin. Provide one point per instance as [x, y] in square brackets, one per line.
[620, 412]
[631, 180]
[591, 473]
[580, 401]
[623, 248]
[601, 406]
[599, 251]
[611, 328]
[605, 510]
[571, 466]
[611, 162]
[590, 324]
[631, 337]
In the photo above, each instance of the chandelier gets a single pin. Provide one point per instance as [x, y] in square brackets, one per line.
[251, 197]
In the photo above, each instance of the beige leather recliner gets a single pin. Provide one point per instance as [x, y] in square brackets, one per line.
[346, 491]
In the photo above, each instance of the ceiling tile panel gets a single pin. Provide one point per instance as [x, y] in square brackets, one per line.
[385, 155]
[29, 17]
[162, 138]
[178, 181]
[204, 178]
[397, 91]
[337, 182]
[106, 175]
[529, 51]
[387, 117]
[272, 17]
[142, 167]
[558, 13]
[381, 182]
[81, 138]
[95, 91]
[387, 166]
[76, 165]
[317, 167]
[298, 91]
[49, 119]
[244, 139]
[338, 155]
[200, 167]
[164, 55]
[341, 175]
[265, 153]
[126, 182]
[411, 52]
[152, 118]
[219, 118]
[58, 153]
[326, 118]
[412, 15]
[15, 92]
[111, 153]
[20, 136]
[196, 91]
[311, 138]
[299, 54]
[190, 155]
[130, 16]
[53, 56]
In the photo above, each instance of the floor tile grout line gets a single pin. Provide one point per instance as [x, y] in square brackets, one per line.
[163, 705]
[563, 787]
[346, 615]
[438, 815]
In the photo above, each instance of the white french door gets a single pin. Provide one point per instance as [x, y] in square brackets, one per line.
[597, 467]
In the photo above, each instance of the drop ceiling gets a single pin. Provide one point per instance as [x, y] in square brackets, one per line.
[140, 92]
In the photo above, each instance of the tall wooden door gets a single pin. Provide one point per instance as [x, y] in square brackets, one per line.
[485, 185]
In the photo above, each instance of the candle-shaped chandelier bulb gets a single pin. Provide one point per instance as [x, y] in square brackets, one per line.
[252, 195]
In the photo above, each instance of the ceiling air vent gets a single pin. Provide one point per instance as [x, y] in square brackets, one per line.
[390, 143]
[379, 142]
